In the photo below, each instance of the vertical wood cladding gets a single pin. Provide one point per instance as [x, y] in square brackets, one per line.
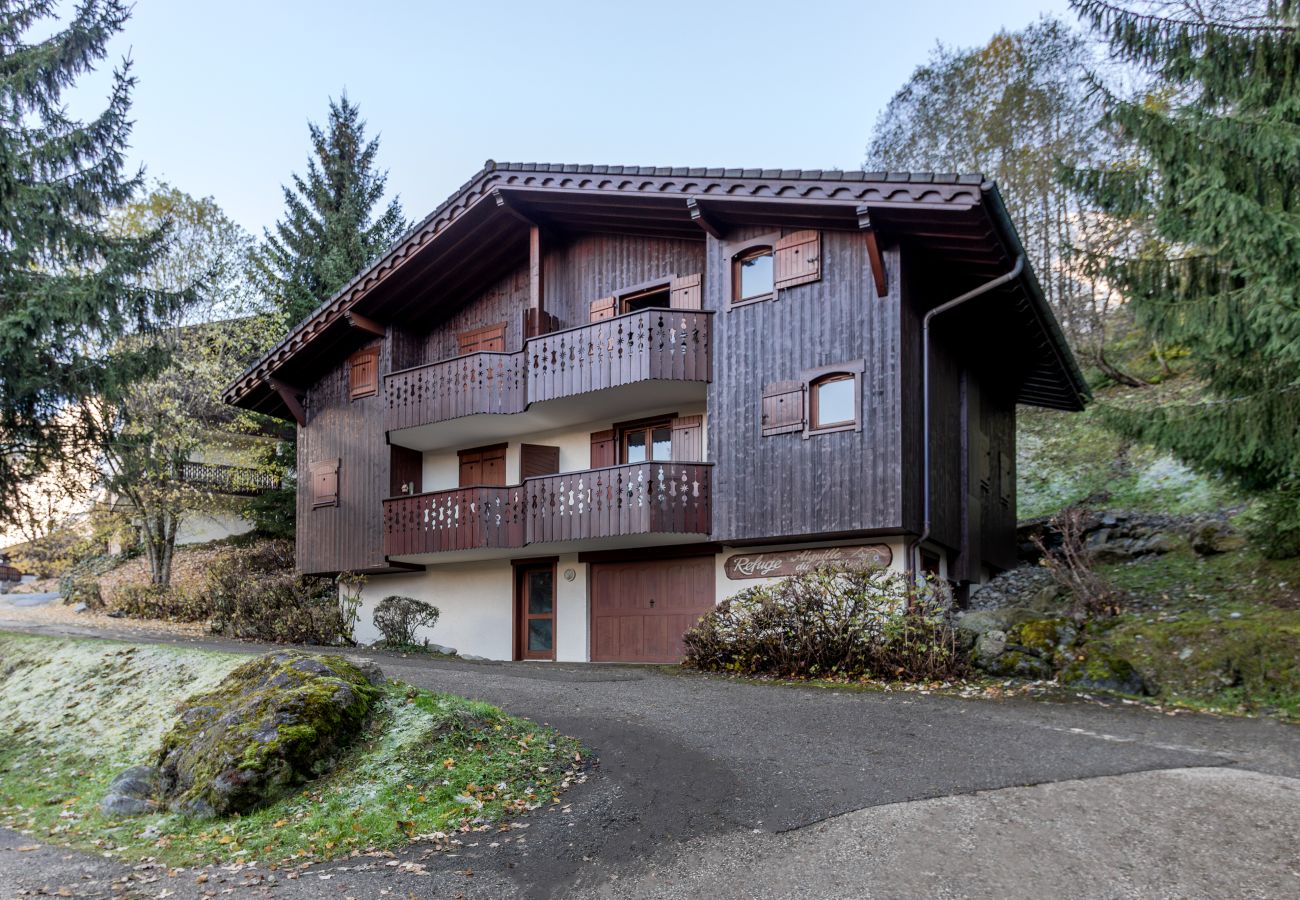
[347, 536]
[578, 270]
[591, 266]
[784, 484]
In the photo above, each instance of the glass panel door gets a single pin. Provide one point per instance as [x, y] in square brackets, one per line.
[537, 612]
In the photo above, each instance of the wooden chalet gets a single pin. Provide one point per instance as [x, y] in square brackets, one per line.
[578, 405]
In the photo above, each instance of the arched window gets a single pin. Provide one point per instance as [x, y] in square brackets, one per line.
[752, 274]
[833, 401]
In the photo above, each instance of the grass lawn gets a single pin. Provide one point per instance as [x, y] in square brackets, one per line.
[429, 767]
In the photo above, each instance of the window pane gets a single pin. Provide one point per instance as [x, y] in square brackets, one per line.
[663, 442]
[635, 446]
[755, 276]
[539, 634]
[834, 402]
[540, 593]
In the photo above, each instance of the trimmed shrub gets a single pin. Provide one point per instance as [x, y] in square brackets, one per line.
[832, 623]
[256, 595]
[397, 618]
[81, 589]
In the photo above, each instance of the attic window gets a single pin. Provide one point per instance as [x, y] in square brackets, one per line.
[752, 277]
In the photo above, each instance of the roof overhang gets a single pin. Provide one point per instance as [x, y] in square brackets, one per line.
[482, 230]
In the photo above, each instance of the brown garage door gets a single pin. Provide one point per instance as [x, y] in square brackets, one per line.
[640, 610]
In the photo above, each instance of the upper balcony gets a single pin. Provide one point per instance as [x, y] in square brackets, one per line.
[637, 500]
[649, 357]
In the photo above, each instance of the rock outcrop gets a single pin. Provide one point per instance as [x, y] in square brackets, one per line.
[273, 723]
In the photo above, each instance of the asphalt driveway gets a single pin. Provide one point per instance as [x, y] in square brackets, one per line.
[695, 773]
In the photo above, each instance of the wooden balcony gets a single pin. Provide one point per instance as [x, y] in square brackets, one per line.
[462, 519]
[642, 498]
[654, 344]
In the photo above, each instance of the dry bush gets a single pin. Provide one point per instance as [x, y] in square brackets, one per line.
[151, 601]
[255, 594]
[832, 623]
[1070, 566]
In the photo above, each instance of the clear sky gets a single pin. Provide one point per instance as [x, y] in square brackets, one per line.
[227, 88]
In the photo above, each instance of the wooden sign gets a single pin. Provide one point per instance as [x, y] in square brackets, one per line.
[795, 562]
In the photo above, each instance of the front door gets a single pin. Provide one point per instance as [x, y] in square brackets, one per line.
[535, 611]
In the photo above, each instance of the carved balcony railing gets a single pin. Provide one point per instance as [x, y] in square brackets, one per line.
[234, 480]
[461, 519]
[653, 344]
[642, 498]
[465, 386]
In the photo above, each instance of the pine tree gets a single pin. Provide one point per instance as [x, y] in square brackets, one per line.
[68, 288]
[327, 234]
[1219, 191]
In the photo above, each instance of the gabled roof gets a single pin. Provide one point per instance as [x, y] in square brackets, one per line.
[482, 228]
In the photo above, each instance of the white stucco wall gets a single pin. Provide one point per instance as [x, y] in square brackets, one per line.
[474, 599]
[442, 467]
[199, 528]
[571, 615]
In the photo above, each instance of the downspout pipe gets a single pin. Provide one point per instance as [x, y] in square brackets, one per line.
[1012, 275]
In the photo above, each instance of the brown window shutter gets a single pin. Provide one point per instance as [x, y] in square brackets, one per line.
[602, 449]
[363, 373]
[538, 459]
[602, 309]
[688, 439]
[783, 403]
[490, 337]
[325, 483]
[685, 292]
[798, 259]
[405, 471]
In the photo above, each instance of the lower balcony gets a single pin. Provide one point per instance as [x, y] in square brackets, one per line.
[655, 498]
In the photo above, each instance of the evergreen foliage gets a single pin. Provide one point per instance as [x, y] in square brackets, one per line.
[329, 232]
[68, 287]
[1219, 189]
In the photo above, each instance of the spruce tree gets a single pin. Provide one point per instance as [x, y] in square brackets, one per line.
[328, 233]
[1218, 190]
[68, 287]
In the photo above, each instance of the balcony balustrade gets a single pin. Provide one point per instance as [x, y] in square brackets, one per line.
[653, 344]
[641, 498]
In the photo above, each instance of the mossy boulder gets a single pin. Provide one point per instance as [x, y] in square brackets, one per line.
[273, 723]
[1099, 670]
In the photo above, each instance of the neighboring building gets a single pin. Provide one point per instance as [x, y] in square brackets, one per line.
[578, 405]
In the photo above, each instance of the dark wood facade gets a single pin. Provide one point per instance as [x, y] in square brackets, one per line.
[539, 295]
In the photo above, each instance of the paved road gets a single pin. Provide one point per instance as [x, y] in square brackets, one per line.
[699, 779]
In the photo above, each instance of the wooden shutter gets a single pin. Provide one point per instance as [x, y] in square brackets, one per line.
[685, 292]
[405, 471]
[798, 259]
[478, 340]
[538, 459]
[325, 483]
[483, 466]
[688, 439]
[602, 309]
[363, 373]
[602, 449]
[783, 403]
